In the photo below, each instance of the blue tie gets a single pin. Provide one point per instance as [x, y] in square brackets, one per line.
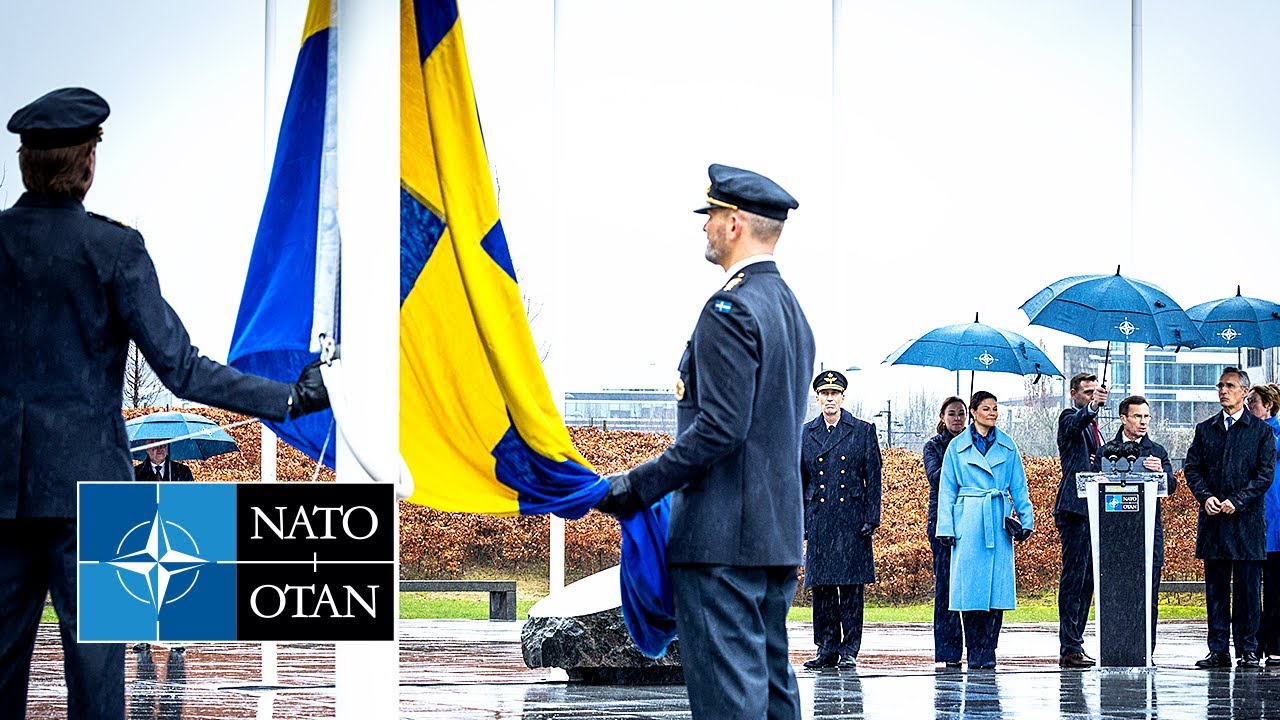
[1230, 421]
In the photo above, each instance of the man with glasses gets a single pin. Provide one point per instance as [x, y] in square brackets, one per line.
[1135, 419]
[1078, 443]
[1229, 469]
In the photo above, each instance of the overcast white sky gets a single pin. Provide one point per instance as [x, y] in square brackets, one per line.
[949, 158]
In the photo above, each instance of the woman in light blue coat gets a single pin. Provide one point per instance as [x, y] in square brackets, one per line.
[982, 483]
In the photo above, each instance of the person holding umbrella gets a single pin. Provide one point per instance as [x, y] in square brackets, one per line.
[948, 634]
[160, 467]
[1078, 443]
[982, 481]
[1263, 401]
[77, 288]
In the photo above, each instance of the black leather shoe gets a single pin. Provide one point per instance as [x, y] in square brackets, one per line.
[982, 666]
[847, 662]
[1273, 661]
[953, 664]
[1249, 660]
[824, 660]
[1076, 660]
[1214, 660]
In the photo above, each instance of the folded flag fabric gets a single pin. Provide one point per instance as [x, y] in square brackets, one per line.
[478, 427]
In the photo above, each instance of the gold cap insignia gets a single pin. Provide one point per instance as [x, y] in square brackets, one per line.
[679, 389]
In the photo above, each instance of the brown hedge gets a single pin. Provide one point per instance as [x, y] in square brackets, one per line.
[438, 544]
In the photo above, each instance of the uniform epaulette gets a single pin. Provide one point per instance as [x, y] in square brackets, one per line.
[734, 282]
[113, 221]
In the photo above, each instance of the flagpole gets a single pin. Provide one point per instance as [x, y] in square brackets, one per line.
[555, 552]
[270, 664]
[368, 169]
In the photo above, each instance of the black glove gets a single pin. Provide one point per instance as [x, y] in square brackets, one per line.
[1023, 534]
[947, 540]
[868, 529]
[309, 393]
[621, 500]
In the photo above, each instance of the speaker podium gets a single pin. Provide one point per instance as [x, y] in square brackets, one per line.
[1122, 525]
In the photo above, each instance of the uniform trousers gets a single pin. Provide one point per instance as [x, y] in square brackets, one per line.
[948, 633]
[1233, 600]
[982, 635]
[38, 557]
[1075, 588]
[837, 619]
[1269, 630]
[732, 622]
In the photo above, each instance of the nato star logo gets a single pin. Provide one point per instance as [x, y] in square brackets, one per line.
[157, 564]
[1113, 503]
[1127, 328]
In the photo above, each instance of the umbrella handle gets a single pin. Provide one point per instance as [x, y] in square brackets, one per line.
[343, 415]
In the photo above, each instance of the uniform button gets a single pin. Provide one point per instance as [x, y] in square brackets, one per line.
[822, 499]
[822, 487]
[841, 472]
[819, 472]
[841, 486]
[841, 457]
[819, 459]
[841, 499]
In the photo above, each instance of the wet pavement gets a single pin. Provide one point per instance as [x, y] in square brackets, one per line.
[463, 669]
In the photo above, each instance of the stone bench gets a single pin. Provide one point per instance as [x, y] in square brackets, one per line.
[502, 593]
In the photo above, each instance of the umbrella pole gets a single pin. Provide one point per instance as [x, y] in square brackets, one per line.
[1106, 363]
[971, 374]
[1237, 357]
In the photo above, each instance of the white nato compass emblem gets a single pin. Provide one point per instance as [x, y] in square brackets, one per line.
[157, 562]
[986, 359]
[1229, 334]
[1127, 328]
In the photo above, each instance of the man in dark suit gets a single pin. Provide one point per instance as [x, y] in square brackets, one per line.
[840, 474]
[1135, 420]
[159, 467]
[1078, 443]
[76, 288]
[1229, 468]
[737, 513]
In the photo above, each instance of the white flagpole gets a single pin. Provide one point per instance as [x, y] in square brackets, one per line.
[555, 554]
[270, 666]
[368, 165]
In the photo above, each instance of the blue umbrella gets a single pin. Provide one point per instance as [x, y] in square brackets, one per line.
[975, 346]
[1238, 322]
[209, 439]
[1113, 308]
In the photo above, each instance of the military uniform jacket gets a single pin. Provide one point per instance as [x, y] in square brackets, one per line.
[840, 473]
[1238, 466]
[741, 400]
[75, 288]
[173, 472]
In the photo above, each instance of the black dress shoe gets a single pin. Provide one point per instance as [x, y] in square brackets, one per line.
[953, 664]
[824, 660]
[1249, 660]
[847, 662]
[1273, 661]
[1214, 660]
[982, 666]
[1076, 660]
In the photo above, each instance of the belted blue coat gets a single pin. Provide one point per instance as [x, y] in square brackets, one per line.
[973, 500]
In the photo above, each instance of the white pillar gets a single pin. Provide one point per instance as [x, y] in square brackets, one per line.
[367, 673]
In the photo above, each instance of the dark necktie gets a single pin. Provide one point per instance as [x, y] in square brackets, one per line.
[830, 428]
[1230, 421]
[158, 475]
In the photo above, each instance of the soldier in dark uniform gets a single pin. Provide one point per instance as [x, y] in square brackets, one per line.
[77, 287]
[736, 513]
[840, 473]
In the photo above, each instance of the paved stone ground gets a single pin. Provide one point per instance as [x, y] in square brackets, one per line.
[462, 669]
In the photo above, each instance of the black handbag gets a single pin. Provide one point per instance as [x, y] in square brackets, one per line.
[1013, 525]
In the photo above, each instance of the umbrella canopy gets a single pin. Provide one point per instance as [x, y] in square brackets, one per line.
[975, 346]
[211, 439]
[1113, 308]
[1238, 322]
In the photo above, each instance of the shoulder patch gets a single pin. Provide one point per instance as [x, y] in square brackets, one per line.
[734, 282]
[104, 218]
[722, 306]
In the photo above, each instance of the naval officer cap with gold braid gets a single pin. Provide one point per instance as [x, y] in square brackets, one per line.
[737, 189]
[830, 380]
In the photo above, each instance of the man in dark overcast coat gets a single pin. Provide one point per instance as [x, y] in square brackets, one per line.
[840, 472]
[1229, 468]
[734, 470]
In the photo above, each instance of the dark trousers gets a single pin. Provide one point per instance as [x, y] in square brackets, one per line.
[948, 633]
[1233, 596]
[39, 557]
[982, 635]
[1269, 630]
[732, 623]
[837, 619]
[1075, 587]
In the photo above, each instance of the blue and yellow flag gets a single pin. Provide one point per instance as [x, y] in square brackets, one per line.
[289, 293]
[478, 427]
